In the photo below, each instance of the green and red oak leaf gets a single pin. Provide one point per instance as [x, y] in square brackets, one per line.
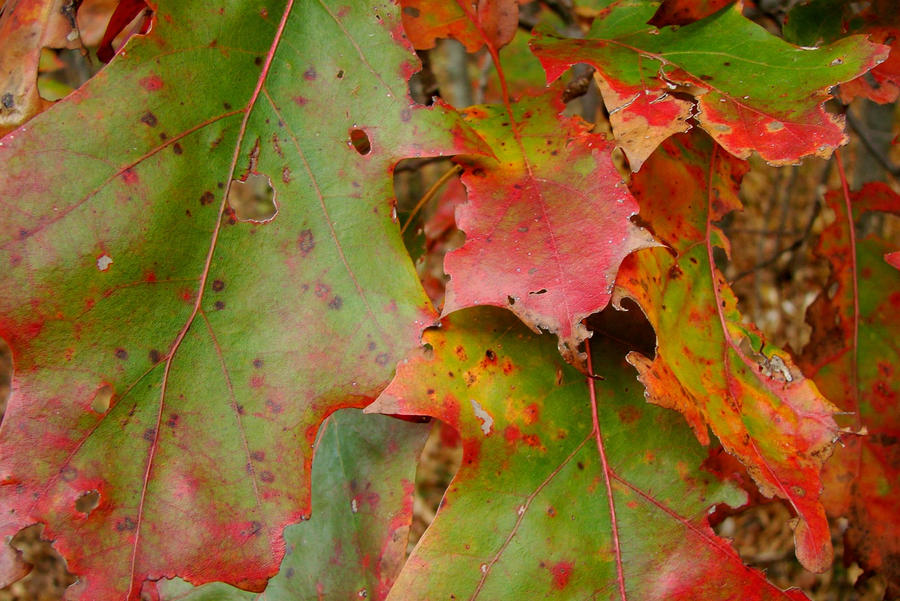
[354, 544]
[528, 515]
[861, 478]
[172, 362]
[547, 220]
[824, 21]
[716, 370]
[645, 72]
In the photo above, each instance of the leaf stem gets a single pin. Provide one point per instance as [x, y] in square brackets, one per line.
[851, 227]
[429, 194]
[620, 574]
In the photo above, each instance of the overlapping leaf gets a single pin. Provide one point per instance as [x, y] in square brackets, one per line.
[547, 222]
[819, 21]
[711, 366]
[355, 542]
[172, 362]
[862, 476]
[472, 23]
[530, 512]
[718, 61]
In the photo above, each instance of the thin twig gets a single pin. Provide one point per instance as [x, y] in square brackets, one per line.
[429, 194]
[865, 137]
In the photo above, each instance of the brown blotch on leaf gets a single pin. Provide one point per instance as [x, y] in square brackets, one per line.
[267, 477]
[258, 61]
[258, 455]
[149, 434]
[173, 420]
[155, 356]
[382, 359]
[309, 74]
[336, 303]
[219, 305]
[8, 101]
[218, 285]
[206, 198]
[257, 363]
[126, 525]
[121, 354]
[149, 118]
[411, 11]
[176, 148]
[306, 242]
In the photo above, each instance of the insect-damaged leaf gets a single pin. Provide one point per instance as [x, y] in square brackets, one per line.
[547, 220]
[528, 513]
[861, 478]
[219, 345]
[716, 370]
[718, 61]
[355, 542]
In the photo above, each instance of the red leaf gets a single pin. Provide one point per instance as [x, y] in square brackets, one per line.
[124, 14]
[547, 221]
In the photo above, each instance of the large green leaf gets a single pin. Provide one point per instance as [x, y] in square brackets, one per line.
[546, 506]
[355, 542]
[173, 361]
[645, 73]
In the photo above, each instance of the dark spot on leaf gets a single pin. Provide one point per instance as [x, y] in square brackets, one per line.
[258, 61]
[126, 525]
[309, 74]
[155, 356]
[227, 106]
[68, 473]
[255, 528]
[478, 172]
[8, 101]
[257, 363]
[360, 141]
[551, 511]
[121, 354]
[706, 77]
[580, 465]
[693, 260]
[371, 346]
[206, 198]
[176, 148]
[267, 477]
[87, 502]
[306, 241]
[491, 355]
[273, 406]
[336, 303]
[172, 421]
[382, 359]
[258, 455]
[727, 64]
[510, 300]
[239, 409]
[218, 285]
[541, 291]
[340, 74]
[219, 305]
[149, 434]
[149, 119]
[412, 11]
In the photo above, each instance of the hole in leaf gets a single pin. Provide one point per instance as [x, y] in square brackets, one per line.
[49, 578]
[87, 502]
[102, 399]
[253, 199]
[360, 141]
[440, 460]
